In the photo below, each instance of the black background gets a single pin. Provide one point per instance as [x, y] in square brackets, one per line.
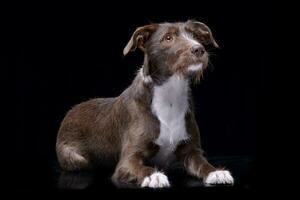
[62, 55]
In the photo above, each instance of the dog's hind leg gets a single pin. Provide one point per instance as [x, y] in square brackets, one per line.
[71, 159]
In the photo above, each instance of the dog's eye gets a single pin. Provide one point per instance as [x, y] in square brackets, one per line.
[168, 38]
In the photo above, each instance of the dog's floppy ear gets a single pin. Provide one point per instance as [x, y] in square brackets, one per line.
[205, 32]
[139, 38]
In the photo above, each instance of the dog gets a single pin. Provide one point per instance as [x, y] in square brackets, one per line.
[151, 125]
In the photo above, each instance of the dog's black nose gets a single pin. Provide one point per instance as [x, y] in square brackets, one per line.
[198, 50]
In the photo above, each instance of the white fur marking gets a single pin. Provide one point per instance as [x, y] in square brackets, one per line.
[190, 39]
[195, 67]
[156, 180]
[146, 79]
[170, 104]
[219, 177]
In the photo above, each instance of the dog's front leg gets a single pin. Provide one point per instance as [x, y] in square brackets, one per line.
[131, 169]
[191, 156]
[197, 165]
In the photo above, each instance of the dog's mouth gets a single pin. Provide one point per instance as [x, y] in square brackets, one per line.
[195, 67]
[190, 65]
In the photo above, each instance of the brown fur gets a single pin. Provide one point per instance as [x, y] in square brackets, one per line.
[122, 130]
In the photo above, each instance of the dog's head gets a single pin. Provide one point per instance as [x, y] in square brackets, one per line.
[173, 48]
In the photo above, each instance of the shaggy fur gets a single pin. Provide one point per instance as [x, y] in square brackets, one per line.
[154, 115]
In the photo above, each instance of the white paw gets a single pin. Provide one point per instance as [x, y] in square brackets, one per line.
[219, 177]
[156, 180]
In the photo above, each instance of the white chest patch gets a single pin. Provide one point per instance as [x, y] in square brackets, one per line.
[170, 104]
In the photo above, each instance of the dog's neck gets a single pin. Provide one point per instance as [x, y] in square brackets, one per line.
[145, 83]
[172, 94]
[153, 73]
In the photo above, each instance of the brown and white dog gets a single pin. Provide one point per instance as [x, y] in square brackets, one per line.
[151, 125]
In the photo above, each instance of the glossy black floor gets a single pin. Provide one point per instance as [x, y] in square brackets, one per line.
[50, 177]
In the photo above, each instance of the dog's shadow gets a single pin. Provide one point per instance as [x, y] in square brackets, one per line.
[102, 179]
[75, 180]
[87, 180]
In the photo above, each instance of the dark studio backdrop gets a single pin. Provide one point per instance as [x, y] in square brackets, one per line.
[65, 54]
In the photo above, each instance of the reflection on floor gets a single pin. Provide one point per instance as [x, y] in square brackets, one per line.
[242, 168]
